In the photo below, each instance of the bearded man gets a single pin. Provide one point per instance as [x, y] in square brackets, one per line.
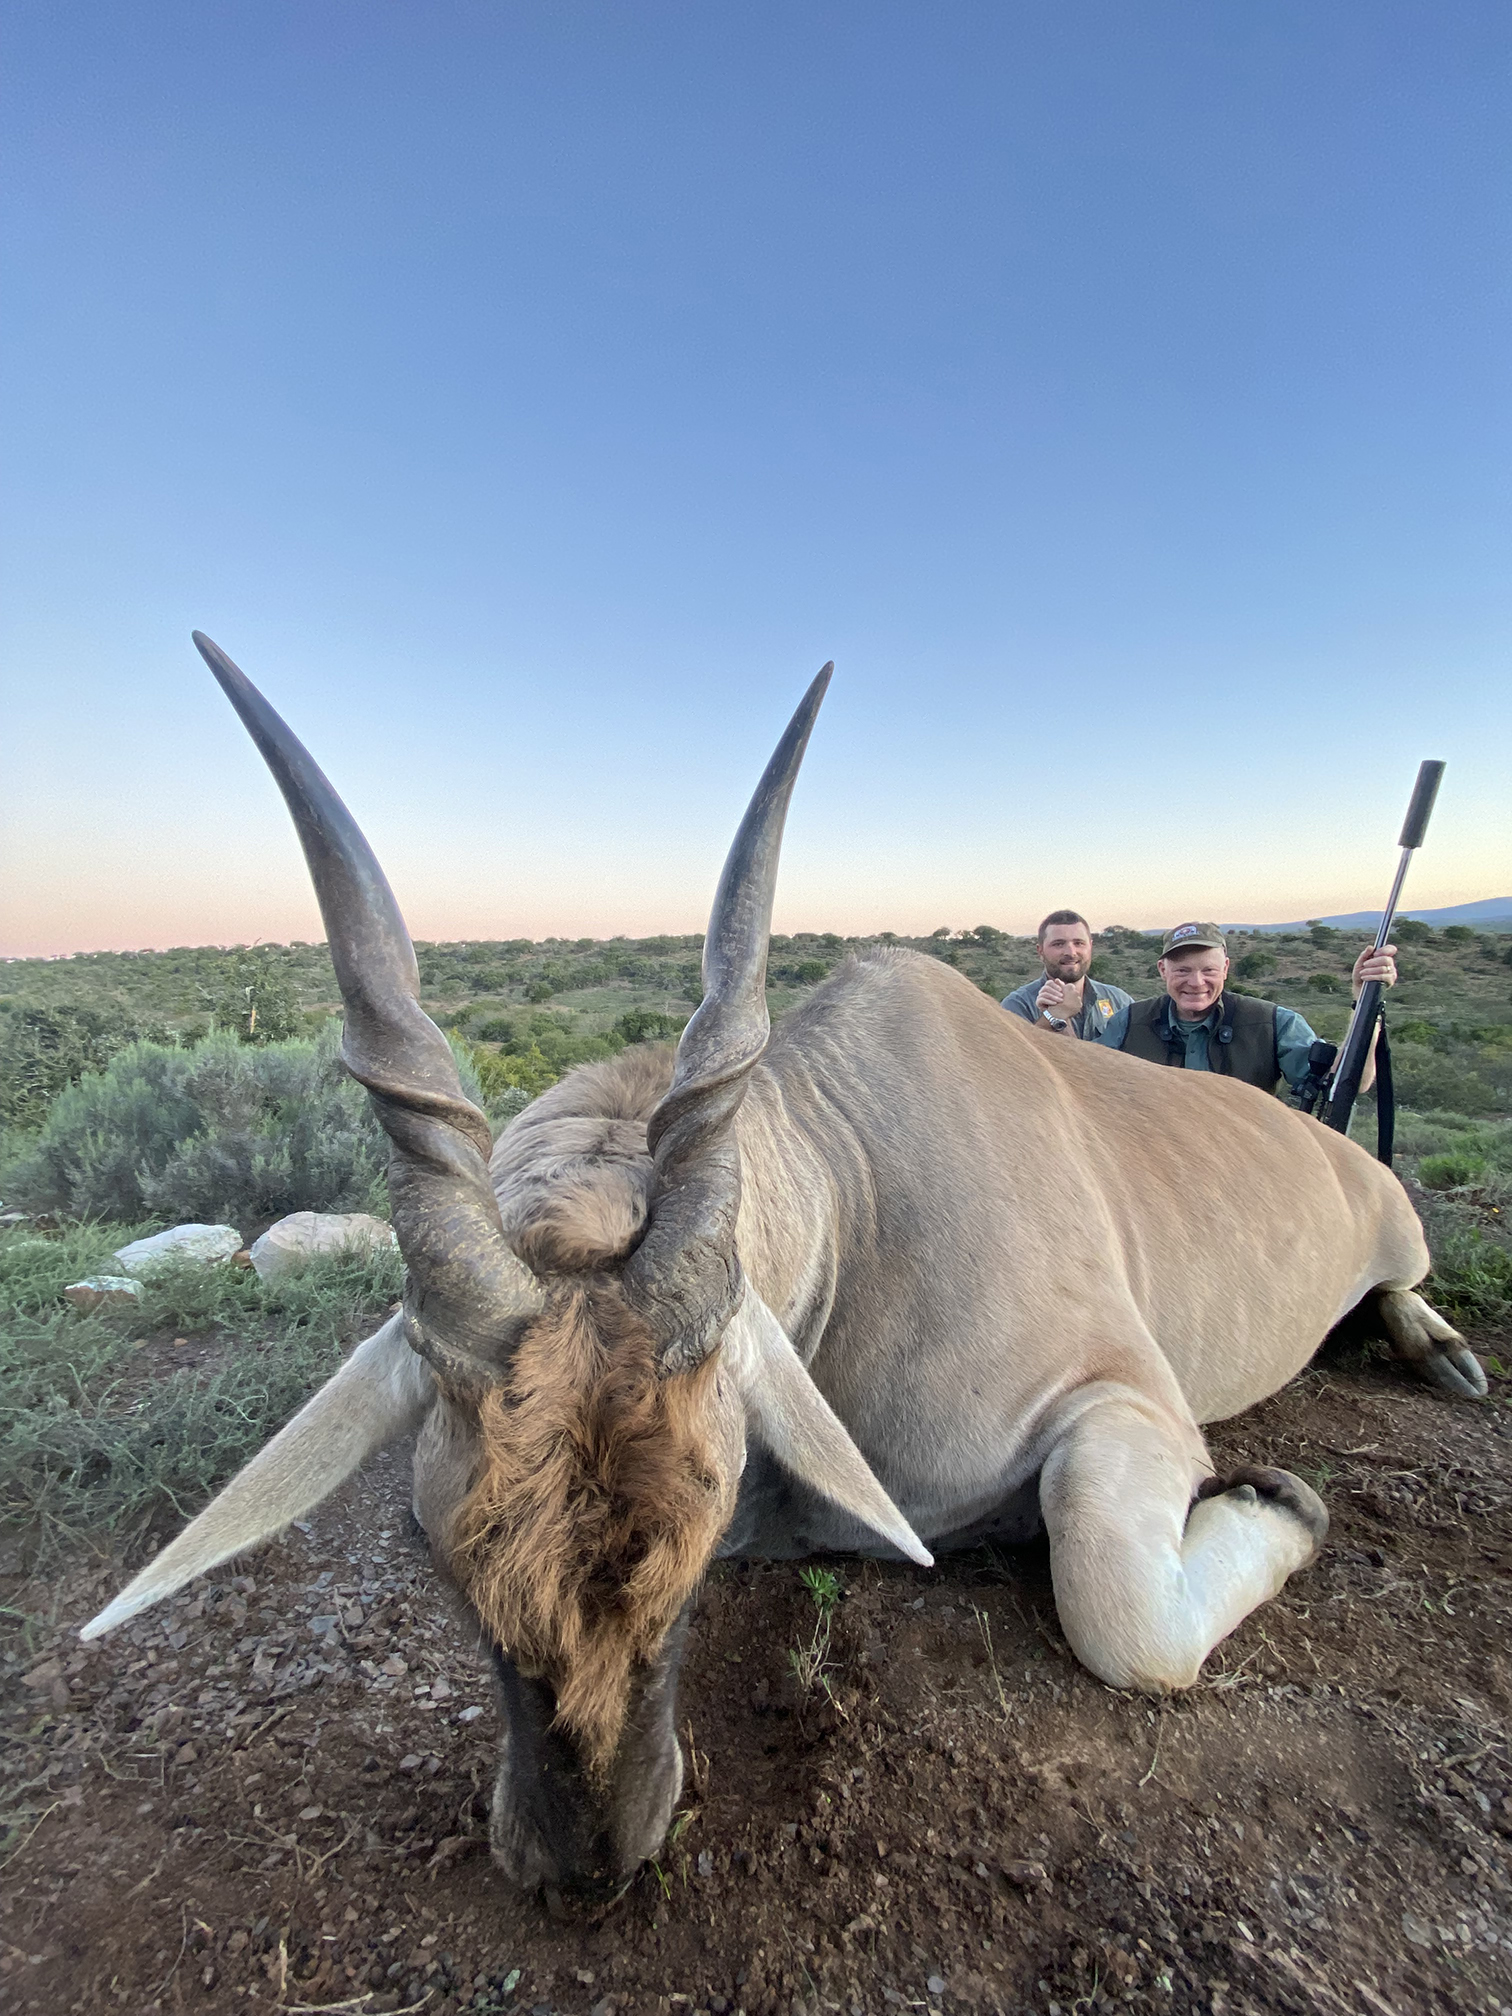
[1061, 999]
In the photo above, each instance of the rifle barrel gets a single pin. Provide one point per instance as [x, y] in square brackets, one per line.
[1354, 1052]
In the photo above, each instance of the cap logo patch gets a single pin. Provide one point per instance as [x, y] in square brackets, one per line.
[1184, 931]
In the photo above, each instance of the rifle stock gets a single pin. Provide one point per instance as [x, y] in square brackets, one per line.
[1354, 1055]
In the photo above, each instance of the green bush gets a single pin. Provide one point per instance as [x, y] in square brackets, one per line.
[1458, 934]
[648, 1025]
[257, 999]
[44, 1050]
[1253, 964]
[225, 1131]
[1452, 1169]
[1426, 1080]
[1325, 983]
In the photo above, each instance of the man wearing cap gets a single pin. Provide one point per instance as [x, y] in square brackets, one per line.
[1198, 1025]
[1061, 999]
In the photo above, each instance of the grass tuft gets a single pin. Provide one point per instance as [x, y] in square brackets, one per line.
[92, 1445]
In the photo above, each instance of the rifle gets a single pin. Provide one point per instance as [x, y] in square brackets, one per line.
[1354, 1052]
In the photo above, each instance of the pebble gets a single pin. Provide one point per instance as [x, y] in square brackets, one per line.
[936, 1984]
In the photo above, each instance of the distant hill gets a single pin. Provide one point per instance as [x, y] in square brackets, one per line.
[1495, 914]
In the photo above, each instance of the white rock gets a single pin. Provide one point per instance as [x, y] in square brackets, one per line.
[296, 1240]
[101, 1291]
[206, 1244]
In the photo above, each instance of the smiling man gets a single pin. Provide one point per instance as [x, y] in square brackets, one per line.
[1197, 1025]
[1061, 999]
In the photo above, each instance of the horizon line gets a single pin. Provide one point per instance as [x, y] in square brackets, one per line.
[846, 937]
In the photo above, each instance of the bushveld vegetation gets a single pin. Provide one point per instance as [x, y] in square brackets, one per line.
[140, 1089]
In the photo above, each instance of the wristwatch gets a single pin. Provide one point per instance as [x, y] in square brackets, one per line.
[1055, 1021]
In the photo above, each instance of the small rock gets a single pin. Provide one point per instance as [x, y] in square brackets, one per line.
[311, 1812]
[1027, 1875]
[102, 1291]
[294, 1241]
[470, 1714]
[410, 1763]
[935, 1984]
[205, 1244]
[43, 1677]
[705, 1863]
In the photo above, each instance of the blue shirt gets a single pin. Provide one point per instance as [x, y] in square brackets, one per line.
[1100, 1003]
[1293, 1039]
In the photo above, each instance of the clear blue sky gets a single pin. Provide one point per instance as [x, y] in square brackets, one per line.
[531, 397]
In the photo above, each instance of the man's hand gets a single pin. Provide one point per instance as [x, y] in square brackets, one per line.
[1373, 965]
[1050, 995]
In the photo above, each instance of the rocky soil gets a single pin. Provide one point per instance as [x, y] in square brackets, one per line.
[272, 1794]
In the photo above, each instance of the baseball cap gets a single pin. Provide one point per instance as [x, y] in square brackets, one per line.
[1183, 935]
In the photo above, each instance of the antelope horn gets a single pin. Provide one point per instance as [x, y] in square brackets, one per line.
[685, 1275]
[465, 1283]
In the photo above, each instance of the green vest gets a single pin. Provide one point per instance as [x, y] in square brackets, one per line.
[1242, 1046]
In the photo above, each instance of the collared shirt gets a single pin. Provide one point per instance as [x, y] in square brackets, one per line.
[1100, 1003]
[1293, 1039]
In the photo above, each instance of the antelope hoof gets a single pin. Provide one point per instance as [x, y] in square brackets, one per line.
[1280, 1488]
[1422, 1339]
[1456, 1369]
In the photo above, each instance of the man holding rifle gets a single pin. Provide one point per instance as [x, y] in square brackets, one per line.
[1197, 1025]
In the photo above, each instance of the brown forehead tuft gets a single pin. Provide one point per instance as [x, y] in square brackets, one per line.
[599, 1499]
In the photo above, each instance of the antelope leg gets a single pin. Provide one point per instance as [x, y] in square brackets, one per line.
[1146, 1581]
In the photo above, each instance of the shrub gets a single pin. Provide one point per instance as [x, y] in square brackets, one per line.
[501, 1072]
[1412, 931]
[1425, 1080]
[224, 1131]
[648, 1025]
[258, 1000]
[1254, 963]
[809, 972]
[1452, 1169]
[1325, 983]
[44, 1050]
[1458, 934]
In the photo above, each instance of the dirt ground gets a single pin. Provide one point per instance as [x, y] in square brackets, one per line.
[271, 1795]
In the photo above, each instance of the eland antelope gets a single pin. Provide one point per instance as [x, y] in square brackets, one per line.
[901, 1275]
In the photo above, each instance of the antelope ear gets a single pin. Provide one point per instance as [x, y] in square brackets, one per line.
[382, 1391]
[790, 1416]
